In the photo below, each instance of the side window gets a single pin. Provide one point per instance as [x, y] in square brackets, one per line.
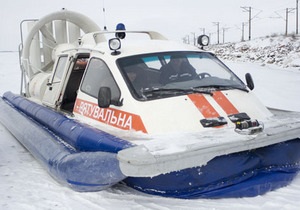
[98, 75]
[61, 64]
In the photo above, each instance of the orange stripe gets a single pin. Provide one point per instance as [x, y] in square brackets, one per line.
[203, 105]
[223, 101]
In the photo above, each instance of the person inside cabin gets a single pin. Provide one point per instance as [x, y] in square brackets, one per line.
[73, 84]
[80, 64]
[177, 70]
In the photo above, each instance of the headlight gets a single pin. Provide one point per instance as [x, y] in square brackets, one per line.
[114, 44]
[203, 40]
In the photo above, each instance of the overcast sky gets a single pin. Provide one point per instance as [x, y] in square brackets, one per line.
[173, 18]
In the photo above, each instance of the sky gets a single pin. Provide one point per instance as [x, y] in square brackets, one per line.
[176, 19]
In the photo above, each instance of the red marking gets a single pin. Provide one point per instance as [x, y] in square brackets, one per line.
[223, 101]
[110, 116]
[204, 106]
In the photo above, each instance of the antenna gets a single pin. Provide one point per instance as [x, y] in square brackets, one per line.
[103, 9]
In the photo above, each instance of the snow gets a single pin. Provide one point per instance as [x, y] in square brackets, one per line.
[283, 51]
[26, 185]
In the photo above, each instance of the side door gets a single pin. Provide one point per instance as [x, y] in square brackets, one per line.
[54, 90]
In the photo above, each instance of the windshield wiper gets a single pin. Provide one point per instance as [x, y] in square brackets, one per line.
[202, 90]
[160, 92]
[172, 91]
[223, 87]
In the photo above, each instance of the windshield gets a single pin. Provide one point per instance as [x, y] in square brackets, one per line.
[167, 74]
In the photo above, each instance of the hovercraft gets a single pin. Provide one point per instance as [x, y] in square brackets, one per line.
[99, 107]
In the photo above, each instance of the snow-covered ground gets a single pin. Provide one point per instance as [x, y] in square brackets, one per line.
[24, 184]
[283, 51]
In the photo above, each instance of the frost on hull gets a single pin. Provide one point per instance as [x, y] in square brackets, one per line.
[243, 174]
[82, 171]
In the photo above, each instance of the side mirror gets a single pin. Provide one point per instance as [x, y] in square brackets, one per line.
[104, 97]
[249, 81]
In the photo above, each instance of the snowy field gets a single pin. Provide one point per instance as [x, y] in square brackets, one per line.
[24, 184]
